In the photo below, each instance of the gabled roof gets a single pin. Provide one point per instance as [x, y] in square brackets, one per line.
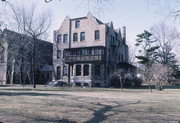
[117, 30]
[99, 22]
[79, 18]
[88, 15]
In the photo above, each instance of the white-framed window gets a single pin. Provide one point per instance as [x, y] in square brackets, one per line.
[78, 70]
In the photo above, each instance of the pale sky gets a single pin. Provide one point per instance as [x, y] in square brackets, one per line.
[136, 15]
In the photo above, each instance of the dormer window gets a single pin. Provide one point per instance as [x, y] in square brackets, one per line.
[77, 24]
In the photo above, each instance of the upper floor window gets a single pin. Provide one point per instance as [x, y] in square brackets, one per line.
[65, 38]
[97, 35]
[58, 54]
[58, 38]
[82, 38]
[75, 36]
[77, 24]
[97, 51]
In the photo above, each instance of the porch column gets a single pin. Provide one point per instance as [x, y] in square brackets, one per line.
[74, 73]
[82, 66]
[90, 70]
[74, 70]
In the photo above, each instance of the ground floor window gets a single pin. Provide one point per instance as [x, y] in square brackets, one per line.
[86, 70]
[65, 71]
[78, 70]
[86, 84]
[78, 84]
[97, 70]
[58, 72]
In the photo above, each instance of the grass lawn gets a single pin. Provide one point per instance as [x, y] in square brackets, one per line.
[88, 105]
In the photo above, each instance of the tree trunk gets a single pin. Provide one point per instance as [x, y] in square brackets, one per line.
[34, 62]
[21, 68]
[12, 73]
[121, 83]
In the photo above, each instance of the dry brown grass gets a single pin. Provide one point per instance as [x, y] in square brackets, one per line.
[86, 105]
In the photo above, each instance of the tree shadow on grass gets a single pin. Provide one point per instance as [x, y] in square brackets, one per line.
[100, 115]
[55, 120]
[30, 94]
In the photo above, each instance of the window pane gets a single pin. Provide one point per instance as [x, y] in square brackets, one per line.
[58, 38]
[96, 51]
[65, 36]
[77, 24]
[75, 36]
[82, 36]
[78, 70]
[97, 35]
[86, 70]
[90, 52]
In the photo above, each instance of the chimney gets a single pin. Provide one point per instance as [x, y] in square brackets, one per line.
[124, 34]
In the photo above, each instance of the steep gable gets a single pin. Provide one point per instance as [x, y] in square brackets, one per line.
[66, 19]
[90, 16]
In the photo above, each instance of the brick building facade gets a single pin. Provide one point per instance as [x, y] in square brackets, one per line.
[86, 51]
[16, 59]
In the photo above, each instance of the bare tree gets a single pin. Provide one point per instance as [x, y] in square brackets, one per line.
[132, 54]
[166, 39]
[168, 8]
[160, 74]
[29, 23]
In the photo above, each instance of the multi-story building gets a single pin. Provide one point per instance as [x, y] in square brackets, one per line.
[16, 59]
[86, 51]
